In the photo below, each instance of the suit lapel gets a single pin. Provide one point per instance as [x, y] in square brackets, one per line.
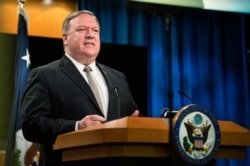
[71, 71]
[111, 83]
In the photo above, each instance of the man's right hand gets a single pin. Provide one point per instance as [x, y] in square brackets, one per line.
[90, 120]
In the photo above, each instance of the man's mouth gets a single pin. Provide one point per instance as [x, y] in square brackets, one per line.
[89, 44]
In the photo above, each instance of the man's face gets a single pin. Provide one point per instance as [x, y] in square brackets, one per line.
[82, 41]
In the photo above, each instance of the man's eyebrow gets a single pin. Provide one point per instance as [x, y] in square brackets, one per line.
[85, 26]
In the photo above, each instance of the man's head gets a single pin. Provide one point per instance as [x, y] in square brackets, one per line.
[81, 36]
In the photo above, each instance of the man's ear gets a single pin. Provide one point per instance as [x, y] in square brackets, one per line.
[64, 37]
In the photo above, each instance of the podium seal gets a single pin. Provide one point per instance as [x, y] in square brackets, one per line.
[196, 135]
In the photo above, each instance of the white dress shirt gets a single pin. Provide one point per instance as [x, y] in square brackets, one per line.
[99, 80]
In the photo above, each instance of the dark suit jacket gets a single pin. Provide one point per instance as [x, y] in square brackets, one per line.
[57, 95]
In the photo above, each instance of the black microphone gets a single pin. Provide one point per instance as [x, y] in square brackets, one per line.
[118, 102]
[184, 94]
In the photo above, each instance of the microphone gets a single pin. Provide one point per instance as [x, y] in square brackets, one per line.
[118, 102]
[181, 92]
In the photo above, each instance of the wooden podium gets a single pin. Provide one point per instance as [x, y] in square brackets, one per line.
[141, 137]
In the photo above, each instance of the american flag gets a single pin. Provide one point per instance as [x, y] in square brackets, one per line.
[17, 146]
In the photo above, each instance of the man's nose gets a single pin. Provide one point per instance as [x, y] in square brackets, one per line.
[89, 35]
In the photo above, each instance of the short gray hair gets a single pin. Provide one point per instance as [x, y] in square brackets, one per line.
[65, 25]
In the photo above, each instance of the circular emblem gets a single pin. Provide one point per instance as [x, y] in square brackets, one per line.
[196, 135]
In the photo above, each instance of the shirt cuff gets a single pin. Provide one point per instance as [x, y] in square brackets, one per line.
[76, 126]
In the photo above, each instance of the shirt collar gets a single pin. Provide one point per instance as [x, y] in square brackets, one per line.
[80, 66]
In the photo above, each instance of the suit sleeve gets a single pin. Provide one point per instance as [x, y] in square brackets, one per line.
[38, 123]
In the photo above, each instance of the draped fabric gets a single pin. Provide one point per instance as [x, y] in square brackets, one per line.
[209, 62]
[203, 53]
[19, 150]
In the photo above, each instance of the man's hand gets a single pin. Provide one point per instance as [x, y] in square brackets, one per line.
[136, 113]
[90, 120]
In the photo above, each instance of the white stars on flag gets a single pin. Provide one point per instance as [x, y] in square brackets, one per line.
[26, 58]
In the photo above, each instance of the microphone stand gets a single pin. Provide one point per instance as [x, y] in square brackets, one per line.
[172, 156]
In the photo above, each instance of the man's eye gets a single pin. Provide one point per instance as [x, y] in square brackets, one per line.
[81, 29]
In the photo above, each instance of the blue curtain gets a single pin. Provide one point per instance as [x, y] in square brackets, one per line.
[209, 62]
[209, 55]
[202, 53]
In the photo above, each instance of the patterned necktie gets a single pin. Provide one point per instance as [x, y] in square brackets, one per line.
[93, 86]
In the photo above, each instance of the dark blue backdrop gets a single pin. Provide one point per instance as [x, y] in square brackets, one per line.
[202, 53]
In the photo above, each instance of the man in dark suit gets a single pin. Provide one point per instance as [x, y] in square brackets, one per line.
[58, 98]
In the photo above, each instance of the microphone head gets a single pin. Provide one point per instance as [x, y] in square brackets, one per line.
[187, 96]
[180, 92]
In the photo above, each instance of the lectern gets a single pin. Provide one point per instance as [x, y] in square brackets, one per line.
[141, 137]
